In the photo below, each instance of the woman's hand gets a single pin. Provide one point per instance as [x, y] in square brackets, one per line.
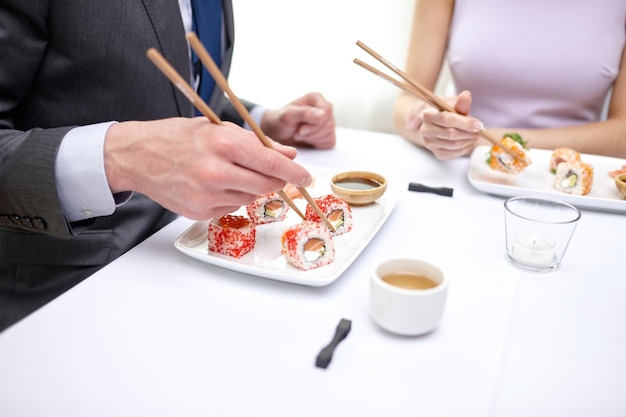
[447, 135]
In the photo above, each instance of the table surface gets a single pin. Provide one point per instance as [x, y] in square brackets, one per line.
[158, 333]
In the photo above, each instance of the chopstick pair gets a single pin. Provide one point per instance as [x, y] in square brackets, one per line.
[168, 70]
[413, 87]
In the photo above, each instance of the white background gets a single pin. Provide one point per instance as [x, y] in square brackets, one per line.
[286, 48]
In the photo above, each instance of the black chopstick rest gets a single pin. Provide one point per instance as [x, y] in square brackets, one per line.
[326, 354]
[421, 188]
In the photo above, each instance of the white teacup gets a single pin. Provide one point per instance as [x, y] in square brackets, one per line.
[407, 296]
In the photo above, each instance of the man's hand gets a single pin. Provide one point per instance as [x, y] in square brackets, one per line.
[195, 168]
[307, 121]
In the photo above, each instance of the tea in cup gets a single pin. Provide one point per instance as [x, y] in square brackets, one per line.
[407, 296]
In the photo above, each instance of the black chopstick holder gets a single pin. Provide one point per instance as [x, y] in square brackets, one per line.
[421, 188]
[326, 354]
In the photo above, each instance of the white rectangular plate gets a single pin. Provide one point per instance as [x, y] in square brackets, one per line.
[266, 260]
[538, 180]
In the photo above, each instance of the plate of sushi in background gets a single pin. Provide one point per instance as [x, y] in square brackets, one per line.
[269, 239]
[583, 180]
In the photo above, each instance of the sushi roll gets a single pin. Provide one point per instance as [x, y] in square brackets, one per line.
[231, 235]
[268, 208]
[308, 245]
[574, 177]
[561, 155]
[499, 160]
[336, 210]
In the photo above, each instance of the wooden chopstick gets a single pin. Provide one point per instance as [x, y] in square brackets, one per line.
[220, 80]
[404, 86]
[170, 72]
[422, 92]
[183, 86]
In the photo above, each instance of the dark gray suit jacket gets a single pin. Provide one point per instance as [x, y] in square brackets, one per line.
[66, 63]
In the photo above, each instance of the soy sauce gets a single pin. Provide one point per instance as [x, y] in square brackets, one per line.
[357, 183]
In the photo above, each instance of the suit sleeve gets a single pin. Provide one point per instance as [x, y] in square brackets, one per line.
[229, 113]
[28, 196]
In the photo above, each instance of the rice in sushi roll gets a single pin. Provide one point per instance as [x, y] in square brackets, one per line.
[308, 245]
[574, 177]
[336, 210]
[562, 155]
[267, 208]
[500, 160]
[231, 235]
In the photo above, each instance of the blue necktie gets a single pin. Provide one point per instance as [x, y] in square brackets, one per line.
[207, 24]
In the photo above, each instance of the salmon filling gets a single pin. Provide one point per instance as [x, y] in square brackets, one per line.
[314, 249]
[335, 217]
[274, 209]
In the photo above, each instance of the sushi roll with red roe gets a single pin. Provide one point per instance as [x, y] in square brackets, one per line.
[308, 245]
[268, 208]
[574, 177]
[337, 211]
[231, 235]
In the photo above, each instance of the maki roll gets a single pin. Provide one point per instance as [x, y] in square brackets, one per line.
[336, 210]
[574, 177]
[231, 235]
[500, 160]
[562, 155]
[308, 245]
[267, 208]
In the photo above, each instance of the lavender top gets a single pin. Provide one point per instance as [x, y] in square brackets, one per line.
[537, 63]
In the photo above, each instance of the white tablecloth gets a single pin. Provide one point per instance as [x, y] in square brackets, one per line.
[157, 333]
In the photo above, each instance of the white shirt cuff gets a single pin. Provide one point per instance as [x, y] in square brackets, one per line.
[81, 179]
[256, 113]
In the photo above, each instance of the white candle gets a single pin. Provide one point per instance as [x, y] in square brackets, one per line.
[533, 250]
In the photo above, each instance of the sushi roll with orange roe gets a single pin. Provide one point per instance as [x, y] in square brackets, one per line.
[336, 209]
[268, 208]
[231, 235]
[499, 160]
[562, 155]
[574, 177]
[308, 245]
